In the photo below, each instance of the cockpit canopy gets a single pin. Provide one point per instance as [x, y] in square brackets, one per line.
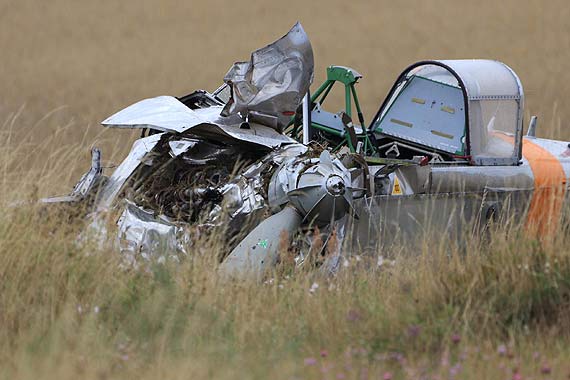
[461, 108]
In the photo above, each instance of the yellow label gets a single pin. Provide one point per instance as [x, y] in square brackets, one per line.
[397, 190]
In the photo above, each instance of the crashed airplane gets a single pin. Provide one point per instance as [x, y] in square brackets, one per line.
[262, 158]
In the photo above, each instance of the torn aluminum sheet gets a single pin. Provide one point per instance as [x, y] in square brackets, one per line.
[86, 184]
[168, 114]
[142, 235]
[269, 88]
[123, 172]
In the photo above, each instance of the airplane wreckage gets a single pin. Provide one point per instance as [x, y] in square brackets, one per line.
[449, 136]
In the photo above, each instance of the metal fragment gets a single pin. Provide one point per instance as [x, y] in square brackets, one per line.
[272, 84]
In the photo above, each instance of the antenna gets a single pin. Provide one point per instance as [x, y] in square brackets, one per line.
[532, 127]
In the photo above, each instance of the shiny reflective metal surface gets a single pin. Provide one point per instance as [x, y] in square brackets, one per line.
[271, 85]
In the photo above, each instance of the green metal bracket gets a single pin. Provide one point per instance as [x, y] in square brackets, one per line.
[344, 75]
[348, 77]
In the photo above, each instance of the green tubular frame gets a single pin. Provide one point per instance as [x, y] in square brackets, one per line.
[348, 78]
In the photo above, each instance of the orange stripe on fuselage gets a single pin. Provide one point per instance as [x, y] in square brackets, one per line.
[549, 187]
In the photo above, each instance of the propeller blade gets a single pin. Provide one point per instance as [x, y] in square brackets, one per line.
[317, 203]
[302, 190]
[258, 251]
[325, 159]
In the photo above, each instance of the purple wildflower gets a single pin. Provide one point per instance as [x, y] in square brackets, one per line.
[310, 361]
[414, 331]
[456, 338]
[353, 316]
[502, 350]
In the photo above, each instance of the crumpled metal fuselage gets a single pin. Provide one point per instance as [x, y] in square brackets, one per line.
[207, 163]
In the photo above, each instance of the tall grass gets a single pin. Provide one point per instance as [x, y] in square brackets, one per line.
[480, 309]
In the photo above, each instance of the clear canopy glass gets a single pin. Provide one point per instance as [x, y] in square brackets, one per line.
[435, 102]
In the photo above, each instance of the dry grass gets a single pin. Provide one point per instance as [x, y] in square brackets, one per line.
[69, 312]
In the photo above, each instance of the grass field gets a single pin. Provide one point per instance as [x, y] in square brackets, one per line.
[499, 312]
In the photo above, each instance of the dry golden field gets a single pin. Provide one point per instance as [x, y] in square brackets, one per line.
[501, 312]
[80, 61]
